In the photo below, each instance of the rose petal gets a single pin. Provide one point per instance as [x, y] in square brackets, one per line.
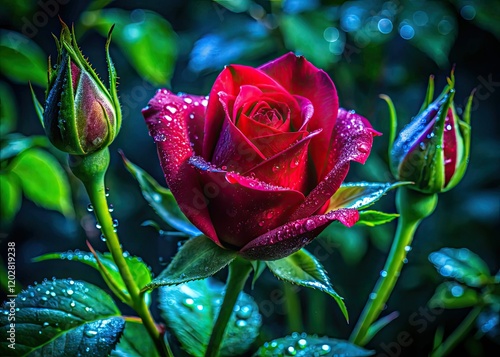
[242, 208]
[269, 145]
[229, 81]
[171, 128]
[351, 141]
[289, 238]
[299, 77]
[234, 150]
[288, 167]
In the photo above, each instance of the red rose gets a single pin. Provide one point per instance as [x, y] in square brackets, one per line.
[254, 164]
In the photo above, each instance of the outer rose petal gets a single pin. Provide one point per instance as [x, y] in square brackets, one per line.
[242, 208]
[352, 140]
[299, 77]
[168, 118]
[229, 81]
[289, 238]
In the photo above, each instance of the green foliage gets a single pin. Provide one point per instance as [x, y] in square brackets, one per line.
[302, 268]
[161, 200]
[62, 318]
[15, 144]
[135, 342]
[453, 295]
[103, 262]
[303, 345]
[190, 311]
[8, 110]
[42, 180]
[461, 265]
[198, 258]
[21, 59]
[144, 37]
[11, 197]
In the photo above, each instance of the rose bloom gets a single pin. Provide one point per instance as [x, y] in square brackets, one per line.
[254, 164]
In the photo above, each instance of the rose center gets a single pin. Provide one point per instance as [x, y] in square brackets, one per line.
[268, 116]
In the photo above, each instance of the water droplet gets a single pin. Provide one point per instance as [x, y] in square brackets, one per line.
[294, 163]
[103, 237]
[290, 351]
[69, 292]
[245, 312]
[188, 302]
[422, 146]
[241, 323]
[160, 137]
[405, 261]
[199, 307]
[191, 116]
[261, 223]
[269, 214]
[115, 223]
[373, 296]
[408, 248]
[171, 109]
[325, 349]
[188, 100]
[87, 349]
[90, 333]
[383, 273]
[204, 102]
[111, 208]
[46, 324]
[302, 343]
[276, 168]
[106, 192]
[98, 226]
[310, 225]
[457, 291]
[72, 304]
[90, 208]
[363, 148]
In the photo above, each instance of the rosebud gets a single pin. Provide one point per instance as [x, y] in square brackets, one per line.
[433, 150]
[81, 116]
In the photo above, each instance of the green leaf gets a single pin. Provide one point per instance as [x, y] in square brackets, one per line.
[303, 345]
[190, 311]
[43, 180]
[135, 342]
[11, 198]
[145, 38]
[14, 144]
[62, 318]
[304, 33]
[8, 111]
[302, 268]
[21, 59]
[198, 258]
[360, 195]
[453, 295]
[139, 270]
[161, 200]
[461, 265]
[375, 218]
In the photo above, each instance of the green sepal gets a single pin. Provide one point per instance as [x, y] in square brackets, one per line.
[198, 258]
[113, 88]
[429, 95]
[360, 195]
[38, 106]
[302, 268]
[393, 120]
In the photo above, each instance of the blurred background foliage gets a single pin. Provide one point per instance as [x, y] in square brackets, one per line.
[368, 47]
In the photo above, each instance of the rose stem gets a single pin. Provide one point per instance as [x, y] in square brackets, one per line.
[239, 271]
[293, 308]
[413, 207]
[91, 169]
[459, 333]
